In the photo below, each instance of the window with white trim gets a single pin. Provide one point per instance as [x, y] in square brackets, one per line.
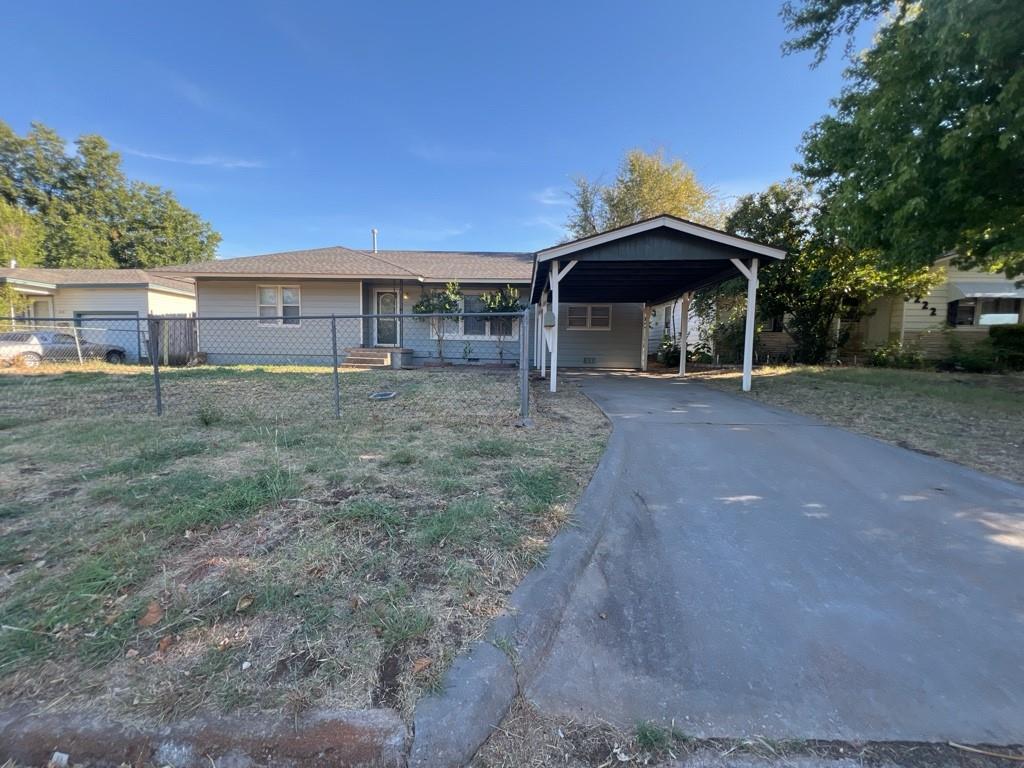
[279, 305]
[588, 317]
[479, 328]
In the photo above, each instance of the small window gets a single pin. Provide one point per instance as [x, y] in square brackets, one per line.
[589, 317]
[279, 305]
[999, 311]
[960, 312]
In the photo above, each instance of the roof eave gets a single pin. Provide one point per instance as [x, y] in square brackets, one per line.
[671, 222]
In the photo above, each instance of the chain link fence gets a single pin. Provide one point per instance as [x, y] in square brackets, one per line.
[267, 367]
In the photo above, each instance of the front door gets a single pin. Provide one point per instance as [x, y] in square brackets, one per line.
[386, 333]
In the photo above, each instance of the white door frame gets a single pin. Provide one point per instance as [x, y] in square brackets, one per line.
[376, 310]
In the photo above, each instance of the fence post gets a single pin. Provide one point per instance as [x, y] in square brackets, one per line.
[334, 356]
[524, 367]
[154, 356]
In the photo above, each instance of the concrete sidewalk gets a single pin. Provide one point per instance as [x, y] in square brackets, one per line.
[761, 573]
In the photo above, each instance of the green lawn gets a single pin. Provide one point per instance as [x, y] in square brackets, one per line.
[972, 419]
[247, 550]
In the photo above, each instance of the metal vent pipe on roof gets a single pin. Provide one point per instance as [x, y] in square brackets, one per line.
[374, 233]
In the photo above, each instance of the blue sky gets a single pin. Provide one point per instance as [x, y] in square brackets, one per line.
[444, 125]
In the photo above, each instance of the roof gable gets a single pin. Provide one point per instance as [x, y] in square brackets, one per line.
[663, 222]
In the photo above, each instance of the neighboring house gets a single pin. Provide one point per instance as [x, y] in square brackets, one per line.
[963, 305]
[109, 306]
[347, 283]
[666, 320]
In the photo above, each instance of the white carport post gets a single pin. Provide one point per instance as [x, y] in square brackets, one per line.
[543, 335]
[748, 335]
[684, 332]
[538, 334]
[553, 273]
[645, 337]
[555, 277]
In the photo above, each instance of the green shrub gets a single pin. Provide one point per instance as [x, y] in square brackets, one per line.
[668, 351]
[978, 358]
[1008, 345]
[895, 354]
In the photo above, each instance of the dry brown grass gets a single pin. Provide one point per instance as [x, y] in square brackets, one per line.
[294, 560]
[972, 419]
[530, 739]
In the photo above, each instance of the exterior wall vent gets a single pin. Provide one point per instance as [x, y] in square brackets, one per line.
[589, 360]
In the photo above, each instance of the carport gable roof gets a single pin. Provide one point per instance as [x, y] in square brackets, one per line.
[651, 261]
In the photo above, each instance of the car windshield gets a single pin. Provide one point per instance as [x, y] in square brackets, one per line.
[63, 338]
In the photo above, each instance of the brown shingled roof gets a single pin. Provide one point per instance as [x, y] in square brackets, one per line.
[338, 261]
[463, 265]
[334, 261]
[75, 277]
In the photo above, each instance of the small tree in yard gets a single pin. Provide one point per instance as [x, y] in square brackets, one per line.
[447, 301]
[504, 300]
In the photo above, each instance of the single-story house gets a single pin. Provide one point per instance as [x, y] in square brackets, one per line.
[108, 305]
[263, 308]
[591, 299]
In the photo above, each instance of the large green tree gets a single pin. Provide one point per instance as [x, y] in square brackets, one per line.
[89, 213]
[822, 279]
[21, 236]
[924, 152]
[646, 185]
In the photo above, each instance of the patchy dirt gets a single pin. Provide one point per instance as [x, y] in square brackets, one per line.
[529, 739]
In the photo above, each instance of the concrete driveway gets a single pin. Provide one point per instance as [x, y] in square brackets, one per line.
[761, 573]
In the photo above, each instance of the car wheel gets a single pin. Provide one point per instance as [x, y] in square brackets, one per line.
[30, 359]
[115, 357]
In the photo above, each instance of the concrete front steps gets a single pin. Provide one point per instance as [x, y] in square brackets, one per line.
[373, 357]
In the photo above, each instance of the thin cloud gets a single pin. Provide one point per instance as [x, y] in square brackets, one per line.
[428, 234]
[211, 161]
[546, 222]
[730, 189]
[552, 196]
[191, 92]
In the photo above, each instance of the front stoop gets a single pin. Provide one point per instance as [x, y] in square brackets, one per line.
[375, 357]
[327, 739]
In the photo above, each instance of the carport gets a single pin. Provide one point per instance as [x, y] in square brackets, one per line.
[647, 263]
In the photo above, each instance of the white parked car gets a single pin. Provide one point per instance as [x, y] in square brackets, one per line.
[30, 348]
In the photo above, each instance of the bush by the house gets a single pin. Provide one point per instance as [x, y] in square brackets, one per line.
[1008, 345]
[977, 358]
[896, 354]
[668, 351]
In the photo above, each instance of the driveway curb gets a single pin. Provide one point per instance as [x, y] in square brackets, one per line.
[330, 738]
[479, 688]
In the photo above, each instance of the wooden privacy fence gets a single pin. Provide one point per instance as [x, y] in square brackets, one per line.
[176, 337]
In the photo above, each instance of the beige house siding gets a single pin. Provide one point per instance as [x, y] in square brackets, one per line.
[68, 301]
[161, 303]
[918, 327]
[247, 341]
